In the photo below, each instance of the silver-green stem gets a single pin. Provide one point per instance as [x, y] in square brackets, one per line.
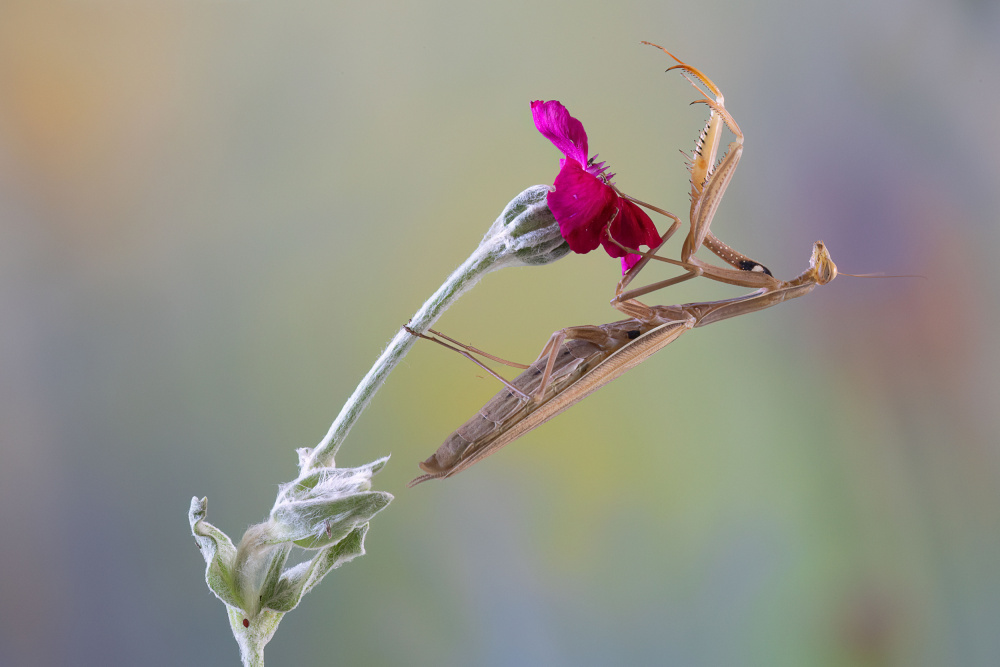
[524, 234]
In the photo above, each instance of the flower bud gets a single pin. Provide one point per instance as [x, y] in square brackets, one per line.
[526, 233]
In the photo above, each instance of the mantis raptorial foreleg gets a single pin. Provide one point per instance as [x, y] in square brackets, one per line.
[709, 180]
[757, 277]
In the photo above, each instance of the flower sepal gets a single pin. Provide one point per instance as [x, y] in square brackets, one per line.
[526, 233]
[326, 512]
[322, 507]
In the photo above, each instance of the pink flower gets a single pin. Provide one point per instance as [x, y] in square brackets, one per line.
[582, 198]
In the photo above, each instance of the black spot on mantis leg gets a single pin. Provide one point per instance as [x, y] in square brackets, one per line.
[757, 267]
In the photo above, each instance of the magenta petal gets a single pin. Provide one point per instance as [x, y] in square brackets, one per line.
[565, 132]
[582, 200]
[628, 261]
[632, 228]
[582, 205]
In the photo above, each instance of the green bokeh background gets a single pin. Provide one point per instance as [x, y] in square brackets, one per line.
[214, 213]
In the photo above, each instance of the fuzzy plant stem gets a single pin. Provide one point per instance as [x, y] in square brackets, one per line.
[326, 510]
[524, 234]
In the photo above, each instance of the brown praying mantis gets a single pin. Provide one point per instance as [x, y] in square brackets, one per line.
[577, 361]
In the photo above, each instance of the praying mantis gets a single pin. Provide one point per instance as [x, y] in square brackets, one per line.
[576, 361]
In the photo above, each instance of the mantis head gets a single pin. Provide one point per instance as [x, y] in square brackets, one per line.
[821, 264]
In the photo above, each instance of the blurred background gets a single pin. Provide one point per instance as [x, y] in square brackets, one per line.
[214, 214]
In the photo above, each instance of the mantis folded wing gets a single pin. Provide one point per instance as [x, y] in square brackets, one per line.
[578, 361]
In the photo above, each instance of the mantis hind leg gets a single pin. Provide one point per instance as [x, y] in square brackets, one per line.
[549, 353]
